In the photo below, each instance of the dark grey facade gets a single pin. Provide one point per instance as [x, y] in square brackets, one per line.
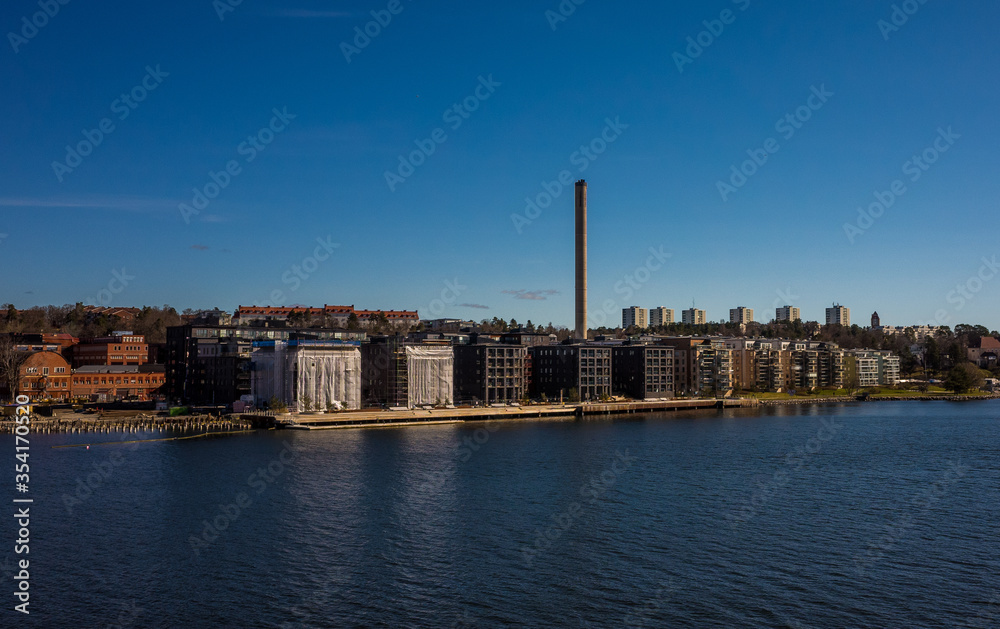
[642, 371]
[490, 373]
[383, 372]
[556, 369]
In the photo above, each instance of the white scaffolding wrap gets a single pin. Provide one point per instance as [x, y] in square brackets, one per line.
[327, 376]
[430, 374]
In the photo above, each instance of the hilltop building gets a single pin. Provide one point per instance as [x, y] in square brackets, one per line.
[741, 315]
[787, 313]
[693, 316]
[839, 315]
[660, 316]
[635, 316]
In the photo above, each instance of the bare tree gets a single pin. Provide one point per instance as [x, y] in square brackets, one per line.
[11, 361]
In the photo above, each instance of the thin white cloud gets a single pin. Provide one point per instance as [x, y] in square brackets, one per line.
[309, 13]
[91, 202]
[535, 295]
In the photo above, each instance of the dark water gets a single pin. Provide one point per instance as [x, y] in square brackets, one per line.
[874, 515]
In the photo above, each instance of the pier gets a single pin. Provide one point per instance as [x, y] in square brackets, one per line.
[414, 417]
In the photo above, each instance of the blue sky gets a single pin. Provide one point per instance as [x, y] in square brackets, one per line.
[445, 232]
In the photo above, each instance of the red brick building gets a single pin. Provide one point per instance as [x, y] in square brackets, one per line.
[106, 383]
[46, 376]
[124, 348]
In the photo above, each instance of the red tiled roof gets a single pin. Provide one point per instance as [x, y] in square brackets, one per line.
[988, 342]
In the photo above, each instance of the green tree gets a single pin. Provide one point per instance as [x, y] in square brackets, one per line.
[352, 321]
[932, 358]
[963, 377]
[274, 404]
[851, 380]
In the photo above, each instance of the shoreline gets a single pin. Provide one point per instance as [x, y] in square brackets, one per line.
[839, 399]
[141, 422]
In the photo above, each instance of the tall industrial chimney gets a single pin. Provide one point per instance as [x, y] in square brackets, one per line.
[581, 260]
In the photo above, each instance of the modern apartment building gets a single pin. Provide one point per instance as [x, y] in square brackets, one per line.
[701, 365]
[838, 314]
[490, 372]
[693, 316]
[787, 313]
[556, 369]
[741, 315]
[660, 316]
[634, 315]
[876, 368]
[642, 371]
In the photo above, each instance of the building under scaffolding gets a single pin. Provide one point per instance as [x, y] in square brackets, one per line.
[396, 373]
[307, 375]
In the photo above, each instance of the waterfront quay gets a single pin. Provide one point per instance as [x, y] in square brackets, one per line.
[411, 417]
